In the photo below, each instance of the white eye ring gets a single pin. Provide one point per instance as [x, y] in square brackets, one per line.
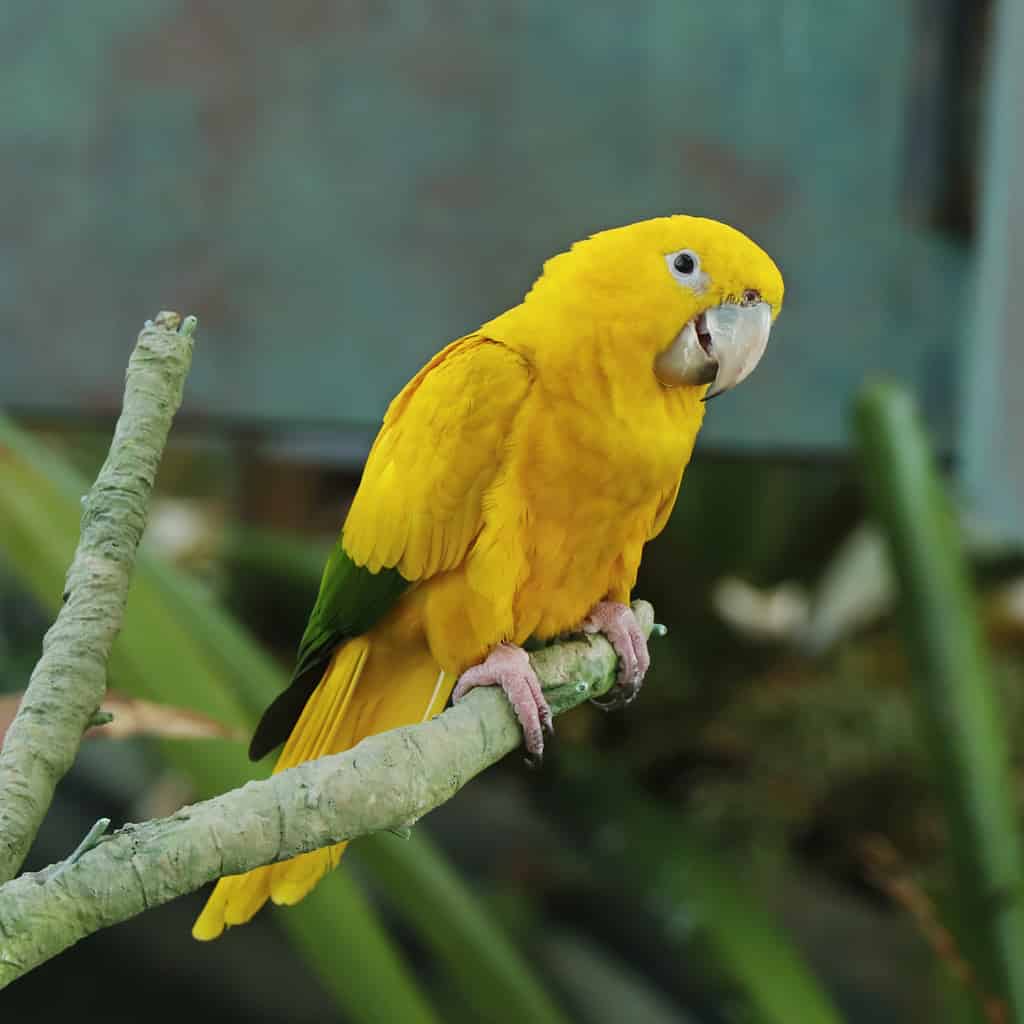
[684, 265]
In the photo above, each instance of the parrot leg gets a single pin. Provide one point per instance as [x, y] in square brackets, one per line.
[618, 623]
[509, 667]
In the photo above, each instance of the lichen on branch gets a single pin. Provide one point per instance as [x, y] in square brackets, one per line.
[385, 783]
[69, 681]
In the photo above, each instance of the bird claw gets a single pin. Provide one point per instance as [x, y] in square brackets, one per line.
[619, 699]
[619, 625]
[509, 667]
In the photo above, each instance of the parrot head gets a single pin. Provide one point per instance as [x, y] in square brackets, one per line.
[689, 300]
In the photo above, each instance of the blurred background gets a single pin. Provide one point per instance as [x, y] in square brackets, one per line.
[337, 189]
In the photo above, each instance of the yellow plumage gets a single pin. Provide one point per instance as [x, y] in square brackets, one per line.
[514, 483]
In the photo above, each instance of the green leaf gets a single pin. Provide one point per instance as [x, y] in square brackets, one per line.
[691, 893]
[962, 722]
[490, 971]
[341, 937]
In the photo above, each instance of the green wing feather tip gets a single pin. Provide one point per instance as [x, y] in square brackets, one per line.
[352, 600]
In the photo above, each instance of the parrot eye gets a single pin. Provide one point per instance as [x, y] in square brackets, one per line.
[684, 266]
[685, 263]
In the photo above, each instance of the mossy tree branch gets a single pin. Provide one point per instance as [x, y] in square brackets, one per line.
[69, 681]
[385, 783]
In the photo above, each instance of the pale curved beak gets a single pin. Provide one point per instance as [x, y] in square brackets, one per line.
[685, 361]
[721, 348]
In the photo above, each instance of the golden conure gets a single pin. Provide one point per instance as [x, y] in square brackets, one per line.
[509, 494]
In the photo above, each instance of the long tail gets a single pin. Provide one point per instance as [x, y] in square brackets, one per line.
[370, 685]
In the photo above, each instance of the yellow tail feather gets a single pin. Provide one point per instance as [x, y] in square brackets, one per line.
[369, 686]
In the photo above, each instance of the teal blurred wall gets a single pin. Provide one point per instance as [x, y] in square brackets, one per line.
[337, 188]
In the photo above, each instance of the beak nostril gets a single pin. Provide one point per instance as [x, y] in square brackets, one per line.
[750, 296]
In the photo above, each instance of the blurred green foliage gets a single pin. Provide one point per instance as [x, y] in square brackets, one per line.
[179, 646]
[959, 710]
[749, 772]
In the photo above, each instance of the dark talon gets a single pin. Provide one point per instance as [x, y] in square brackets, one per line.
[621, 697]
[533, 761]
[548, 725]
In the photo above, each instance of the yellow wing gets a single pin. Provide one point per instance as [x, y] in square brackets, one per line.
[420, 503]
[661, 516]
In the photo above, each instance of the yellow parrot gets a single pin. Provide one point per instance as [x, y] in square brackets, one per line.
[508, 496]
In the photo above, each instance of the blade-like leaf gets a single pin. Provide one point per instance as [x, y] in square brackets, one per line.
[340, 936]
[424, 889]
[696, 899]
[962, 722]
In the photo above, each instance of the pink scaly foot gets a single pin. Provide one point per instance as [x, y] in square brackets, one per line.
[618, 623]
[509, 667]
